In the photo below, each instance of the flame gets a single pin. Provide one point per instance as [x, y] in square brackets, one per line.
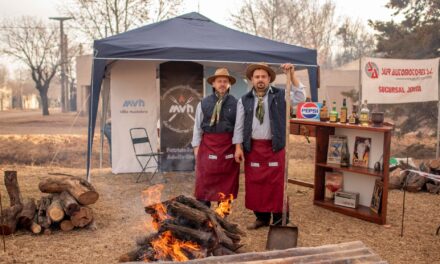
[167, 246]
[152, 197]
[224, 206]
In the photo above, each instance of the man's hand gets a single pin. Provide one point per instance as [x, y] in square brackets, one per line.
[289, 66]
[196, 150]
[239, 156]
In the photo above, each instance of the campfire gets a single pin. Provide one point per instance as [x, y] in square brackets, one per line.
[184, 229]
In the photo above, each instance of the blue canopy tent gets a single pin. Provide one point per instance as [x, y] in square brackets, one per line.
[190, 37]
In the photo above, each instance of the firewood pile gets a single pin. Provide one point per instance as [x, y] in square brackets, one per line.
[64, 207]
[414, 181]
[186, 229]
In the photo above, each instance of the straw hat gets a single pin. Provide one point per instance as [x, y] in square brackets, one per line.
[221, 72]
[260, 66]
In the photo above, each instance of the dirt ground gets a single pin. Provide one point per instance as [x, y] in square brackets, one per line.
[30, 147]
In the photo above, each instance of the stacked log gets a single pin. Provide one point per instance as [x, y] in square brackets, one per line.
[65, 207]
[186, 221]
[414, 181]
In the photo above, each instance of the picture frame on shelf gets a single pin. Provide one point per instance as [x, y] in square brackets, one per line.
[334, 152]
[376, 199]
[361, 152]
[334, 181]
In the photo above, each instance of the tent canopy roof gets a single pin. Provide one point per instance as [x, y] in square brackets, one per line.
[193, 37]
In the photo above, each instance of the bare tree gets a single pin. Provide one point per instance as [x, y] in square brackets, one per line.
[354, 41]
[100, 19]
[300, 22]
[35, 44]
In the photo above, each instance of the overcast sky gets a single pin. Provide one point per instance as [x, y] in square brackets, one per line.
[217, 10]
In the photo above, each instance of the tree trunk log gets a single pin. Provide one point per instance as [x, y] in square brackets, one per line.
[70, 205]
[55, 210]
[177, 209]
[82, 217]
[184, 233]
[66, 225]
[8, 219]
[35, 228]
[26, 216]
[11, 184]
[145, 253]
[79, 188]
[43, 219]
[232, 228]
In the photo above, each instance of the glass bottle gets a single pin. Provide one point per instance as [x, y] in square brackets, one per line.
[334, 114]
[345, 155]
[323, 113]
[364, 117]
[354, 119]
[344, 112]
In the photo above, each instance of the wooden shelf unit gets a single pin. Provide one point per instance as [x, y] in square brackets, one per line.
[322, 131]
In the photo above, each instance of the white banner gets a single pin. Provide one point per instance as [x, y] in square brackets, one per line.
[134, 103]
[390, 81]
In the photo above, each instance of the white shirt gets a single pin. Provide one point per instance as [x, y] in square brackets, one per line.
[262, 131]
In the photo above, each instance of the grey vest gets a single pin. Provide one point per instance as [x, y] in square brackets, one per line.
[277, 116]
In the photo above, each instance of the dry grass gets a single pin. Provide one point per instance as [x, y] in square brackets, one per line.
[120, 217]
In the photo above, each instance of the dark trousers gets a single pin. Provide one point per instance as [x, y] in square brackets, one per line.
[276, 217]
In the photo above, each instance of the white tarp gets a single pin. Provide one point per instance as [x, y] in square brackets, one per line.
[390, 81]
[134, 103]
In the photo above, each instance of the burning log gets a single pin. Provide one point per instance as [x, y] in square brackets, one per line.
[79, 188]
[184, 233]
[186, 229]
[232, 228]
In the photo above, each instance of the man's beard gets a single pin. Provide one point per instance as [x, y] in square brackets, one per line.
[261, 86]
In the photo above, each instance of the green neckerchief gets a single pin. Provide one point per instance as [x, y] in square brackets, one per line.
[215, 118]
[259, 113]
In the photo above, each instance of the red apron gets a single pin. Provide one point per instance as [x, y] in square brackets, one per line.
[264, 177]
[216, 169]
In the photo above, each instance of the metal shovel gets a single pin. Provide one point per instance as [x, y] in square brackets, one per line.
[284, 236]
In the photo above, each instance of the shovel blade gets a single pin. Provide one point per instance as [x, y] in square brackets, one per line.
[282, 237]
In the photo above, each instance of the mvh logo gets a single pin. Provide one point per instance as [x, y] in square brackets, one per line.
[134, 103]
[178, 108]
[372, 70]
[182, 109]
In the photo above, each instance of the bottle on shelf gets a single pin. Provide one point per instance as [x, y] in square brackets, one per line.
[354, 118]
[333, 114]
[345, 155]
[364, 117]
[323, 113]
[344, 112]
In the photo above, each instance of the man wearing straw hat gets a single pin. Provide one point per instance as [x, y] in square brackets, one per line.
[260, 131]
[216, 170]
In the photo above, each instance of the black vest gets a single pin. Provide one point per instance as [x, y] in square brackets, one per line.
[277, 116]
[227, 114]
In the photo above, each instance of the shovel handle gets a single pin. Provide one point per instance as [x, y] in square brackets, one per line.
[286, 148]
